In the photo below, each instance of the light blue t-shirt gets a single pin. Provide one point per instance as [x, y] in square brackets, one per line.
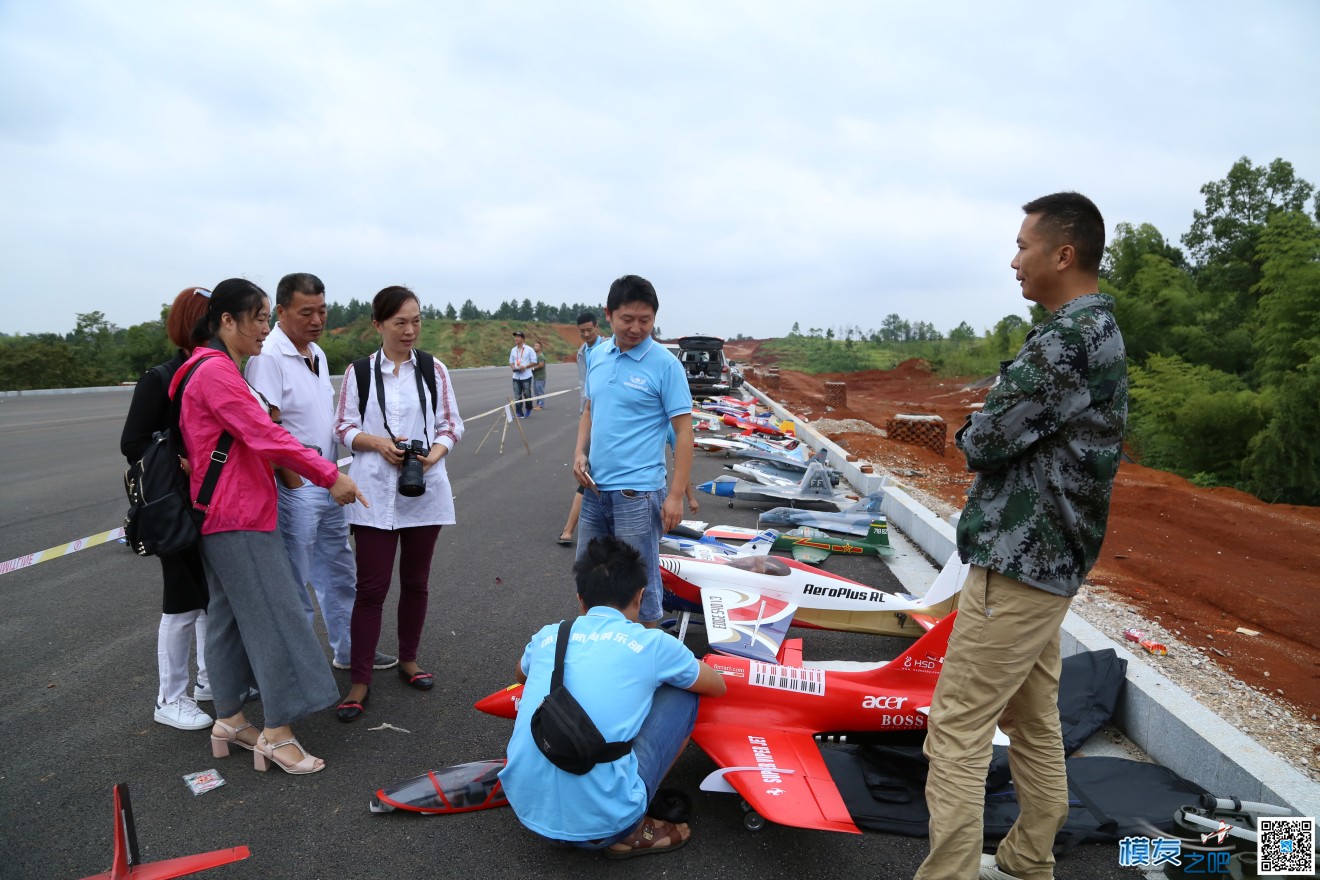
[612, 668]
[633, 396]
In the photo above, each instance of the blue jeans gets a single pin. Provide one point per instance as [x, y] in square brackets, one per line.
[522, 389]
[316, 535]
[664, 732]
[538, 388]
[636, 518]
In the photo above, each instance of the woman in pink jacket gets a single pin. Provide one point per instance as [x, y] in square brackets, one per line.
[258, 632]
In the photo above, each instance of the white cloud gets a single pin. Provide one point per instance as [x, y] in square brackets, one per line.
[761, 162]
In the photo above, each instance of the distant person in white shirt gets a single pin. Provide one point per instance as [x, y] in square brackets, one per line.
[521, 360]
[293, 376]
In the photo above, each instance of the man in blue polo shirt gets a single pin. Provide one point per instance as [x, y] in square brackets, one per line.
[636, 684]
[635, 391]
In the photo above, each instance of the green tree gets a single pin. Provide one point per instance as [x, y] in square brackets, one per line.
[1192, 420]
[1124, 255]
[451, 314]
[1009, 334]
[469, 311]
[1284, 464]
[1288, 315]
[962, 333]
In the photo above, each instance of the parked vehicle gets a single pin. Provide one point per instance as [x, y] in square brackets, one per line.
[708, 370]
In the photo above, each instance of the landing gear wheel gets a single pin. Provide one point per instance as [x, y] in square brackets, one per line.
[753, 821]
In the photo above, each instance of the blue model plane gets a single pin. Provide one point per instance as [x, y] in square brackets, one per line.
[852, 520]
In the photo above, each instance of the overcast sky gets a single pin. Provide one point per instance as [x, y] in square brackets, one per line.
[761, 162]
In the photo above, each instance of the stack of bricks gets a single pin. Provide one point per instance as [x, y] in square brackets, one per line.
[836, 395]
[920, 430]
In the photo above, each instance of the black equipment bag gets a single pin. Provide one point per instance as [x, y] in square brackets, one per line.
[162, 519]
[563, 730]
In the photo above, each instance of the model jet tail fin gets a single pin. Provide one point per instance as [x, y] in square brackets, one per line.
[918, 665]
[761, 544]
[877, 534]
[126, 866]
[948, 583]
[816, 483]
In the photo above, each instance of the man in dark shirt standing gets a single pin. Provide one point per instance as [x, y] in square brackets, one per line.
[1045, 450]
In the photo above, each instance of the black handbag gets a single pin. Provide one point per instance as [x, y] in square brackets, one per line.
[563, 730]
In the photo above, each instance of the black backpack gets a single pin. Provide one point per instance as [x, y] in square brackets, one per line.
[162, 519]
[362, 372]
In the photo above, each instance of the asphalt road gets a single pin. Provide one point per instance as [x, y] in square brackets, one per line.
[77, 649]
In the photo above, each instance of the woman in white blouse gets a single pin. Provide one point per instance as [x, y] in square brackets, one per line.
[403, 407]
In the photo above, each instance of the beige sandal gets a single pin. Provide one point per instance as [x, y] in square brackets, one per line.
[264, 755]
[227, 736]
[643, 839]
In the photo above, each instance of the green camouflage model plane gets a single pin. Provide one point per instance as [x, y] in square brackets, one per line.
[813, 546]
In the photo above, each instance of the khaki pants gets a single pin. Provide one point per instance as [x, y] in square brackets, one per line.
[1002, 666]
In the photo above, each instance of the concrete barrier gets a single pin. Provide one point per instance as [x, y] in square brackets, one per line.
[1166, 722]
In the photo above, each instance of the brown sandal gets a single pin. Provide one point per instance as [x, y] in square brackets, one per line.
[643, 839]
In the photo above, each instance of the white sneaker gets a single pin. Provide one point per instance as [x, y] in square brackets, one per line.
[201, 693]
[992, 871]
[184, 714]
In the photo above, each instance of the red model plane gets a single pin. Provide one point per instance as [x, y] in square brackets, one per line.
[762, 732]
[126, 864]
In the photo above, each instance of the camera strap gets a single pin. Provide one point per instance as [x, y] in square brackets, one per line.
[380, 397]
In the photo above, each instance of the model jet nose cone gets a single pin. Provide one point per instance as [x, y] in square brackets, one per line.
[501, 704]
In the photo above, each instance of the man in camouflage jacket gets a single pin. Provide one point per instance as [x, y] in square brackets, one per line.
[1045, 449]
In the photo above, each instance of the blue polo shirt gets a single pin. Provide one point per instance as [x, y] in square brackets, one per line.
[633, 396]
[613, 667]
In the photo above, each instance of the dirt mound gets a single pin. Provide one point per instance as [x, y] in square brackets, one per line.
[1203, 561]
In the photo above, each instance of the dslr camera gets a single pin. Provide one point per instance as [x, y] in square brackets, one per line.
[412, 479]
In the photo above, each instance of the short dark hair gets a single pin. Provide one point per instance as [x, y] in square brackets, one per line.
[295, 283]
[388, 302]
[609, 573]
[587, 318]
[233, 296]
[1072, 218]
[631, 289]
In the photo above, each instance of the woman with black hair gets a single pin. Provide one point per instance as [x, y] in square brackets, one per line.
[409, 401]
[258, 633]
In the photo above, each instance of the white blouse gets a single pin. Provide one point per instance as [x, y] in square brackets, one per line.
[375, 476]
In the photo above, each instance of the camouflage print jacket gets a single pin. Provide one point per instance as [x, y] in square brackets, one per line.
[1045, 449]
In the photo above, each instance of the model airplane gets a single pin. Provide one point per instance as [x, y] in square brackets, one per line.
[701, 546]
[749, 602]
[771, 473]
[814, 487]
[781, 458]
[749, 426]
[127, 865]
[814, 546]
[762, 732]
[855, 519]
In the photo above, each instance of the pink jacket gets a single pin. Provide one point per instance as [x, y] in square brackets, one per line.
[218, 399]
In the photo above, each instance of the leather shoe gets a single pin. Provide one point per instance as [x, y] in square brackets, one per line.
[352, 710]
[423, 681]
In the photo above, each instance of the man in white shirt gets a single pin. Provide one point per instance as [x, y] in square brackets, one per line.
[293, 376]
[521, 361]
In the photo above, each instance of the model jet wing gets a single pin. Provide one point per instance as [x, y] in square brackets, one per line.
[780, 773]
[744, 623]
[809, 555]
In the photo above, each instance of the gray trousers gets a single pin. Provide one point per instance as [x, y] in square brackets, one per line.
[258, 633]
